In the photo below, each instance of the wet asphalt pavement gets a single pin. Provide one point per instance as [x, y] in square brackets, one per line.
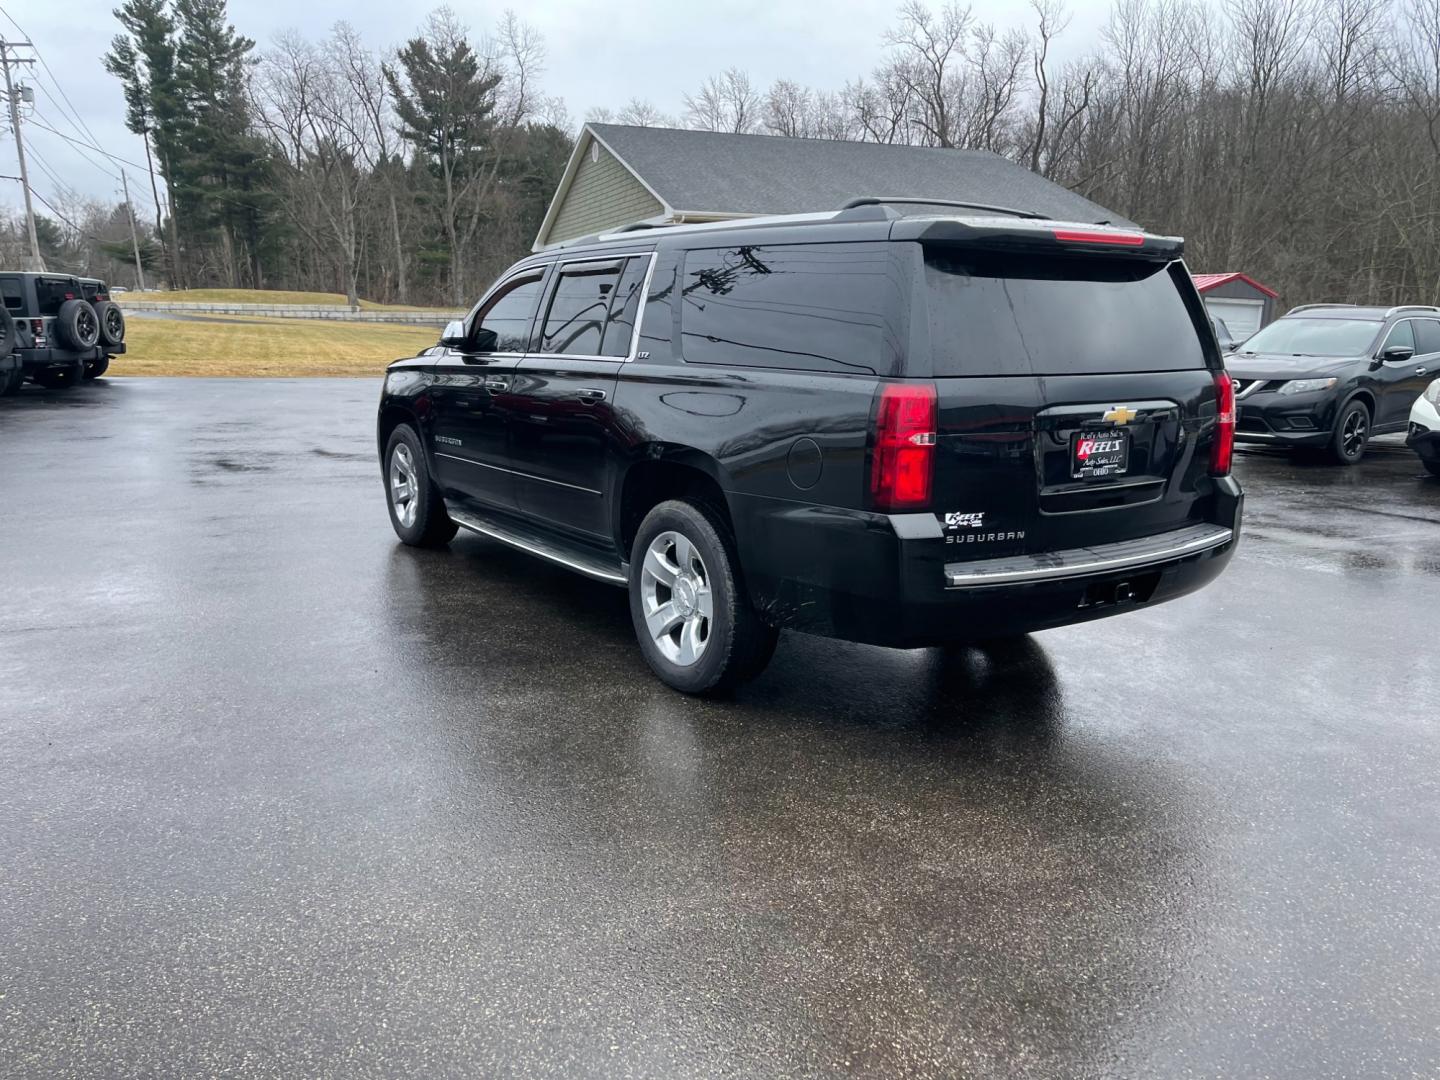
[279, 797]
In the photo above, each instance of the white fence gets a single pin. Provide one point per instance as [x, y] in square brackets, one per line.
[294, 311]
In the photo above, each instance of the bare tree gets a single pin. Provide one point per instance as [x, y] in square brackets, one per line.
[726, 102]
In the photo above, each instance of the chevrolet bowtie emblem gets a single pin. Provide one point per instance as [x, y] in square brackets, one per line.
[1120, 414]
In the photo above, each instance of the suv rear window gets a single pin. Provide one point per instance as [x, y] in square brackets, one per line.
[50, 293]
[994, 314]
[13, 292]
[811, 307]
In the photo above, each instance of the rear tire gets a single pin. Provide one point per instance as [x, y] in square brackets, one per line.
[11, 382]
[1434, 467]
[95, 368]
[77, 326]
[112, 322]
[417, 510]
[692, 617]
[1351, 433]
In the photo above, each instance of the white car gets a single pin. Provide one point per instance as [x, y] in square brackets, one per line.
[1424, 430]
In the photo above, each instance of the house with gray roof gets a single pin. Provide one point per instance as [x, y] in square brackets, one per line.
[619, 175]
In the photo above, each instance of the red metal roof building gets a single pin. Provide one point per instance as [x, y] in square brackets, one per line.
[1241, 302]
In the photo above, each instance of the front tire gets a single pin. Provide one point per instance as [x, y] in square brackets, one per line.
[694, 622]
[417, 511]
[1351, 433]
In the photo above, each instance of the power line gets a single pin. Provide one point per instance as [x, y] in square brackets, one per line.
[88, 146]
[45, 166]
[53, 79]
[76, 146]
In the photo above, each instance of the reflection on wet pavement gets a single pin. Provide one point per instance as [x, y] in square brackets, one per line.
[279, 796]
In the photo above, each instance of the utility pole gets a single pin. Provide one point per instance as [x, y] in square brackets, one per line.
[6, 60]
[134, 240]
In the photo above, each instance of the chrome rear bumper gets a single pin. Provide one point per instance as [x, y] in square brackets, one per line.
[1082, 562]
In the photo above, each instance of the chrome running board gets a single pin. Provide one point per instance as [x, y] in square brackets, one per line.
[534, 542]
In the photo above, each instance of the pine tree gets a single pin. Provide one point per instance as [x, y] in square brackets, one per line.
[445, 103]
[143, 58]
[223, 168]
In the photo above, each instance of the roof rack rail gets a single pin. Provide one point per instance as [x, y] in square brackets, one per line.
[1411, 307]
[913, 200]
[1311, 307]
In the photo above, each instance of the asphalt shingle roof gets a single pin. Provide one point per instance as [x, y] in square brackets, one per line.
[713, 172]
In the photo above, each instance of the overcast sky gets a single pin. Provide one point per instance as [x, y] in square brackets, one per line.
[595, 56]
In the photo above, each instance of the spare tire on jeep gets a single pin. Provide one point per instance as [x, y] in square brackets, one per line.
[77, 326]
[8, 340]
[112, 322]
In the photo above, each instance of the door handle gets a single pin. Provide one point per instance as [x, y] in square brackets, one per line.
[590, 395]
[497, 386]
[1420, 371]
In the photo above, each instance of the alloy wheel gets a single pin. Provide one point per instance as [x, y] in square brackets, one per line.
[678, 603]
[404, 485]
[1352, 434]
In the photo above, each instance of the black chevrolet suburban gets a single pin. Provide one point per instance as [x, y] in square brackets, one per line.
[906, 429]
[63, 330]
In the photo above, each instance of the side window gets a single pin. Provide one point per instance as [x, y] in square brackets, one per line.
[1400, 334]
[620, 326]
[11, 290]
[575, 322]
[510, 314]
[1427, 336]
[811, 307]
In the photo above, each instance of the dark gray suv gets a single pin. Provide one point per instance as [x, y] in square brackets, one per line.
[1329, 376]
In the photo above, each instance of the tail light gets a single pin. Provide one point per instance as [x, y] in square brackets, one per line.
[903, 462]
[1084, 236]
[1222, 448]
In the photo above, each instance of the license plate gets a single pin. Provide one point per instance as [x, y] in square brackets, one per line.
[1095, 455]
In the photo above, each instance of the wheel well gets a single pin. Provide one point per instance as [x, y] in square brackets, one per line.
[391, 417]
[649, 483]
[1365, 398]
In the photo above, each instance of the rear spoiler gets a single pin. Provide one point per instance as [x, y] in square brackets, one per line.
[1039, 237]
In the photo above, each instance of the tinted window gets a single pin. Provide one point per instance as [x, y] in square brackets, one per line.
[50, 293]
[14, 297]
[1427, 336]
[817, 307]
[511, 313]
[1299, 336]
[620, 327]
[1400, 336]
[1015, 315]
[578, 308]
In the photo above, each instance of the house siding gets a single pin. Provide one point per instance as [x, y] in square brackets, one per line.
[603, 195]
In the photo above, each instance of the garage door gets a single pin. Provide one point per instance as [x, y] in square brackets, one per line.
[1241, 316]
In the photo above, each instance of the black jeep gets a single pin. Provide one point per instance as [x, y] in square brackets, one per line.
[56, 330]
[905, 430]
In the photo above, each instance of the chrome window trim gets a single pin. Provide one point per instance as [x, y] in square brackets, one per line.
[634, 350]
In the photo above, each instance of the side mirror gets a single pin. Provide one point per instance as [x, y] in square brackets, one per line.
[454, 335]
[1397, 354]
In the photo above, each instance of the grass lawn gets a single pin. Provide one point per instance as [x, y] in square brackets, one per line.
[258, 296]
[265, 347]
